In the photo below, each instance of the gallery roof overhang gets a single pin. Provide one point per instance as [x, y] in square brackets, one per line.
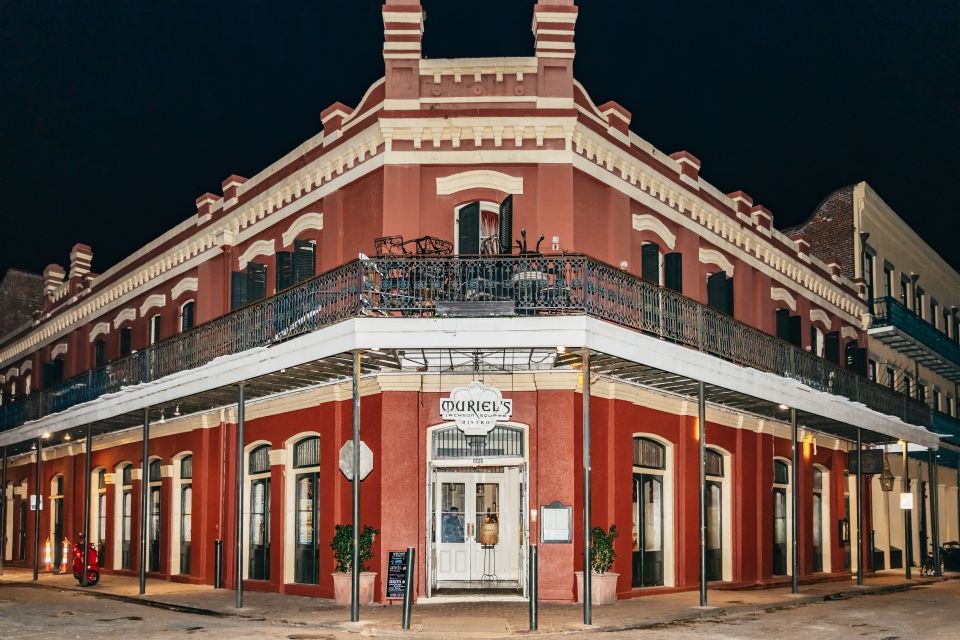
[469, 344]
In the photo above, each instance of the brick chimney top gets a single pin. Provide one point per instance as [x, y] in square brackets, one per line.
[81, 257]
[53, 276]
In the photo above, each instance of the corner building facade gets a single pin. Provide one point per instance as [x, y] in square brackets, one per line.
[651, 285]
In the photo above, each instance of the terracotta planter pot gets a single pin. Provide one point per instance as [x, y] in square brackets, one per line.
[341, 588]
[603, 587]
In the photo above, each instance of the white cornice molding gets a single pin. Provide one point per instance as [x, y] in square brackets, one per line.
[257, 248]
[59, 350]
[305, 222]
[101, 328]
[154, 300]
[186, 284]
[127, 315]
[713, 256]
[647, 222]
[479, 179]
[782, 295]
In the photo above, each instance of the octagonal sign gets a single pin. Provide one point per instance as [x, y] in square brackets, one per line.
[346, 460]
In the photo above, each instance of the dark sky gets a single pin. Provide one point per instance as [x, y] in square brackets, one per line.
[117, 115]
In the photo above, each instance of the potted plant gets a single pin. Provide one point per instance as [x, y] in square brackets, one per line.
[342, 546]
[603, 585]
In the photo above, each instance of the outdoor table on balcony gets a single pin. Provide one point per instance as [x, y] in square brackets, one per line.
[527, 285]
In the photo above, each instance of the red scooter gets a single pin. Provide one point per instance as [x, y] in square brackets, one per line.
[93, 563]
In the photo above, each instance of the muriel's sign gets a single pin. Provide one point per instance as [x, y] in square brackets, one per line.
[476, 408]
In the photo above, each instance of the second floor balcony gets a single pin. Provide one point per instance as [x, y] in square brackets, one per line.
[901, 329]
[469, 286]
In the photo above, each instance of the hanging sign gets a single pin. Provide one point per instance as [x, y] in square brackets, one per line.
[33, 502]
[476, 408]
[396, 574]
[906, 501]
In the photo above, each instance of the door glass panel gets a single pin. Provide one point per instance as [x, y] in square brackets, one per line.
[306, 562]
[648, 530]
[714, 532]
[779, 531]
[155, 529]
[452, 507]
[817, 532]
[260, 530]
[186, 513]
[487, 512]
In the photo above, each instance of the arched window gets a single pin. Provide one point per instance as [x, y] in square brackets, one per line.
[56, 520]
[306, 466]
[649, 465]
[781, 517]
[155, 526]
[258, 486]
[182, 506]
[716, 533]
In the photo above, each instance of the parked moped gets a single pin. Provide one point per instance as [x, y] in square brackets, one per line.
[92, 564]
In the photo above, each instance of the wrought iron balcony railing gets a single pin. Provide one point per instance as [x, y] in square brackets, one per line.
[420, 286]
[947, 426]
[891, 312]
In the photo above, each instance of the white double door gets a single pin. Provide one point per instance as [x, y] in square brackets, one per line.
[464, 502]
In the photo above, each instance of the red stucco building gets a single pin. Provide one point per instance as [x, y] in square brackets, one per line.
[663, 279]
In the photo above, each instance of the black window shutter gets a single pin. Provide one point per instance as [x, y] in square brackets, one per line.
[813, 340]
[186, 322]
[304, 260]
[673, 272]
[783, 324]
[126, 339]
[284, 270]
[100, 353]
[238, 290]
[831, 347]
[506, 225]
[728, 297]
[470, 229]
[53, 373]
[650, 262]
[717, 291]
[256, 281]
[796, 331]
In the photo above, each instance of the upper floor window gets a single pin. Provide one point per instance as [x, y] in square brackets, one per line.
[888, 280]
[936, 400]
[789, 327]
[720, 292]
[478, 227]
[297, 265]
[155, 335]
[905, 290]
[868, 260]
[947, 328]
[934, 316]
[248, 286]
[187, 316]
[126, 341]
[650, 262]
[891, 377]
[53, 373]
[919, 298]
[100, 353]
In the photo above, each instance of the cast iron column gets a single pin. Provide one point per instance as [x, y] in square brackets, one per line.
[934, 512]
[86, 506]
[907, 521]
[587, 561]
[3, 512]
[238, 522]
[36, 517]
[355, 560]
[702, 425]
[859, 508]
[144, 486]
[794, 507]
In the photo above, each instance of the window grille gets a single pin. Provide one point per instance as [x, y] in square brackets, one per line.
[306, 453]
[154, 471]
[501, 442]
[817, 480]
[102, 479]
[186, 468]
[127, 475]
[781, 472]
[714, 463]
[259, 460]
[647, 453]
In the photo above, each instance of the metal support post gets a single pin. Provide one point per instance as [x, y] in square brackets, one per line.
[408, 587]
[702, 434]
[859, 508]
[238, 522]
[355, 561]
[36, 512]
[907, 521]
[3, 512]
[533, 586]
[587, 560]
[144, 487]
[84, 553]
[935, 512]
[794, 507]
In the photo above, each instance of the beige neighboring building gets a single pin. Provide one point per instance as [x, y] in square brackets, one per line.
[913, 330]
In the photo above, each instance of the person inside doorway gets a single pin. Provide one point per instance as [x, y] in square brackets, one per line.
[453, 526]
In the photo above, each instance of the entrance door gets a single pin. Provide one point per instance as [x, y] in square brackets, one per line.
[476, 531]
[22, 544]
[714, 531]
[57, 543]
[154, 529]
[648, 525]
[259, 530]
[779, 531]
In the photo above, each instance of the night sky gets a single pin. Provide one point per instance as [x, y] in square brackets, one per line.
[117, 115]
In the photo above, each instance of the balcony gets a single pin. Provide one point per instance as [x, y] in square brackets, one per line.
[501, 286]
[947, 426]
[900, 328]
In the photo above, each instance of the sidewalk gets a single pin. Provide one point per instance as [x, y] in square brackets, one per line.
[479, 619]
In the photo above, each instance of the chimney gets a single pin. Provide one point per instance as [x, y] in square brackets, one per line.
[553, 26]
[53, 276]
[689, 164]
[402, 36]
[231, 189]
[81, 257]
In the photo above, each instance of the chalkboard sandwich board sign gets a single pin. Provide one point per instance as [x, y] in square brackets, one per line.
[396, 574]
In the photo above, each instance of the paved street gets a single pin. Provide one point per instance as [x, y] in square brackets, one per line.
[923, 612]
